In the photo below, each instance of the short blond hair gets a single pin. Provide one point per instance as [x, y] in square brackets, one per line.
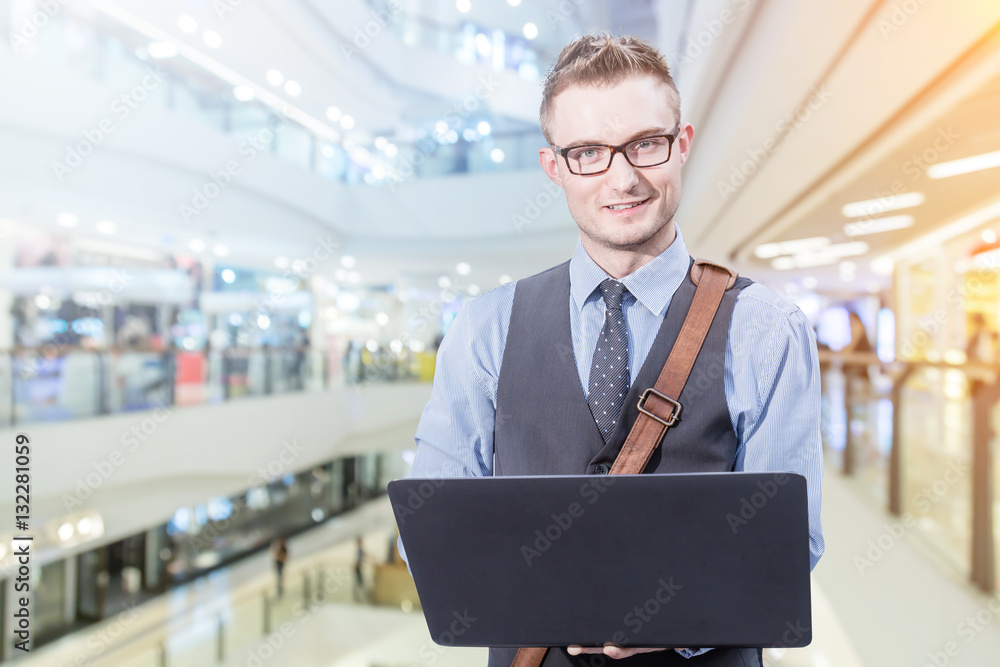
[604, 60]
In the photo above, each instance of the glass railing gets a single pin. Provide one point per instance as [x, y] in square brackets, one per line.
[234, 627]
[919, 438]
[467, 42]
[79, 383]
[118, 57]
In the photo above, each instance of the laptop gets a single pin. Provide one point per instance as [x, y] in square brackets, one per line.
[681, 560]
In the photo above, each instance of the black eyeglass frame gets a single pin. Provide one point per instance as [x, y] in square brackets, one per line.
[619, 149]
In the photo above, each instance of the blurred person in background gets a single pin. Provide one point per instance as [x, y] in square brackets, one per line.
[279, 552]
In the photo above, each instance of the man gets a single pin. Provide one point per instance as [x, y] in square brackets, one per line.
[541, 376]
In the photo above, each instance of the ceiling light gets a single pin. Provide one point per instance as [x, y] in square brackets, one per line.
[504, 279]
[769, 250]
[513, 3]
[484, 128]
[84, 525]
[263, 321]
[877, 225]
[860, 209]
[989, 236]
[463, 6]
[346, 122]
[473, 290]
[212, 39]
[67, 220]
[243, 93]
[43, 301]
[220, 250]
[883, 266]
[381, 143]
[463, 269]
[382, 319]
[186, 23]
[65, 531]
[197, 245]
[827, 255]
[333, 113]
[497, 155]
[530, 30]
[293, 88]
[348, 262]
[949, 231]
[965, 165]
[106, 227]
[391, 150]
[161, 50]
[274, 77]
[228, 276]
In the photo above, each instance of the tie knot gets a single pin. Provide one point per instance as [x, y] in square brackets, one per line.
[612, 290]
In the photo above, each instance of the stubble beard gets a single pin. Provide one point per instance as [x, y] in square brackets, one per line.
[628, 239]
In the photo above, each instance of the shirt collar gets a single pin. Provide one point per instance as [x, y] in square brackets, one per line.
[652, 285]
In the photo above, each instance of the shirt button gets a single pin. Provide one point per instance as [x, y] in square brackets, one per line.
[602, 469]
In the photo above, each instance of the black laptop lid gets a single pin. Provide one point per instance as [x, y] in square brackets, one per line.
[690, 560]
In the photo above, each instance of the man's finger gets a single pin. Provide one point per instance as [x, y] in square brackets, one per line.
[611, 651]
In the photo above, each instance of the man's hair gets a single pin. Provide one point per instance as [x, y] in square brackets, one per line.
[604, 60]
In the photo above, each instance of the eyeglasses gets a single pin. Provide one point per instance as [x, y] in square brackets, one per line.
[595, 159]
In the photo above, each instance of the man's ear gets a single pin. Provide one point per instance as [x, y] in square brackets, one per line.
[547, 158]
[684, 138]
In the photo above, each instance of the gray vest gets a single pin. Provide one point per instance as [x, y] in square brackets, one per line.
[544, 425]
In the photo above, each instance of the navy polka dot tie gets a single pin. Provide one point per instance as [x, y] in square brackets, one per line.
[609, 377]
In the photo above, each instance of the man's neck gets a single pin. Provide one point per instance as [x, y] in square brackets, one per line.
[619, 263]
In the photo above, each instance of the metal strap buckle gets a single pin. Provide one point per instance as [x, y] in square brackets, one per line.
[666, 422]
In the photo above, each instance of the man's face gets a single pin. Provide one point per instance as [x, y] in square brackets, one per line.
[637, 107]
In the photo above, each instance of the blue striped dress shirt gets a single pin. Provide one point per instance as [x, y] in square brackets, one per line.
[772, 381]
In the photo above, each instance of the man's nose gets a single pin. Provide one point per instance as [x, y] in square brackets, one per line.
[621, 175]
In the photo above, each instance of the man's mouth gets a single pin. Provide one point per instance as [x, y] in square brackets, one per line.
[627, 205]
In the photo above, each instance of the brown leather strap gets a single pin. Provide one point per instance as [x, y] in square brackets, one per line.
[658, 406]
[529, 657]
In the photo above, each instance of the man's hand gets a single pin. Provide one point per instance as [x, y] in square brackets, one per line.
[614, 651]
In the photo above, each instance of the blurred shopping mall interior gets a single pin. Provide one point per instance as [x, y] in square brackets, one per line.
[233, 234]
